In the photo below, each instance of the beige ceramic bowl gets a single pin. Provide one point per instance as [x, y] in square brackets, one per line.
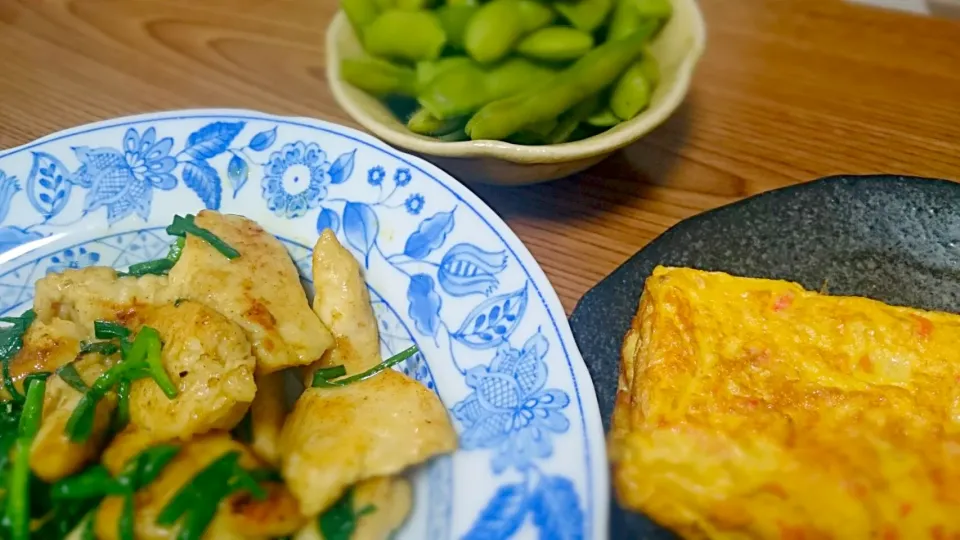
[677, 48]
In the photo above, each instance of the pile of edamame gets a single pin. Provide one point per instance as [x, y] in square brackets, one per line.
[523, 71]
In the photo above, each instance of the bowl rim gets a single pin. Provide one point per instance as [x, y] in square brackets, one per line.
[602, 143]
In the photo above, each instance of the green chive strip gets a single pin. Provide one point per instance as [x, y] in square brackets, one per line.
[319, 381]
[110, 330]
[94, 482]
[196, 503]
[340, 520]
[11, 341]
[182, 226]
[122, 417]
[17, 512]
[158, 267]
[105, 348]
[146, 348]
[191, 494]
[69, 374]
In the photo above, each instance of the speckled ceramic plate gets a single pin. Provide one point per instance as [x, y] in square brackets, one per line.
[894, 239]
[444, 271]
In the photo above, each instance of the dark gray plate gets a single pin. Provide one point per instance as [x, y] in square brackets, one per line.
[895, 239]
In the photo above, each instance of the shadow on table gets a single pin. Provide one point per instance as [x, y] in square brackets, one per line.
[617, 181]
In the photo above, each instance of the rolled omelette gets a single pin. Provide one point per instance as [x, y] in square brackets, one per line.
[754, 409]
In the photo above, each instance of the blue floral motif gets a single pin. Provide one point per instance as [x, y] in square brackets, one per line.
[414, 204]
[429, 236]
[48, 185]
[467, 269]
[509, 410]
[493, 321]
[402, 177]
[295, 179]
[8, 188]
[148, 159]
[73, 259]
[425, 304]
[375, 175]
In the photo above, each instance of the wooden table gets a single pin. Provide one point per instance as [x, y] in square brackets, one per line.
[788, 91]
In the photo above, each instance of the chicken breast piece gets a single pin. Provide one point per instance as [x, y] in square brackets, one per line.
[343, 304]
[267, 414]
[96, 293]
[53, 455]
[390, 498]
[239, 517]
[335, 437]
[209, 360]
[47, 347]
[260, 291]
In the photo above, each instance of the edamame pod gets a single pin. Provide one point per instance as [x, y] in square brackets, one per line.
[650, 68]
[586, 15]
[587, 76]
[603, 118]
[360, 13]
[654, 9]
[454, 20]
[428, 70]
[571, 119]
[497, 26]
[406, 35]
[384, 5]
[556, 43]
[454, 136]
[466, 88]
[413, 5]
[379, 77]
[627, 20]
[515, 75]
[632, 92]
[455, 92]
[463, 2]
[424, 123]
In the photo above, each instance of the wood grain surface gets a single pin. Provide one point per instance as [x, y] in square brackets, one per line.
[789, 90]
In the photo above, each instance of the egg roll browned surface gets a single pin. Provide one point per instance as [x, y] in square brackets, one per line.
[751, 408]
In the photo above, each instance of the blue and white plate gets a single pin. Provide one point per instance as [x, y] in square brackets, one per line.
[443, 269]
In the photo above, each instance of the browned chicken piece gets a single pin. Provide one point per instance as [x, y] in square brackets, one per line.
[390, 499]
[53, 455]
[267, 414]
[96, 293]
[209, 360]
[46, 347]
[343, 304]
[336, 437]
[260, 291]
[239, 517]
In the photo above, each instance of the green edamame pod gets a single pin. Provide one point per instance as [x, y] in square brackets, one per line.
[534, 15]
[384, 5]
[603, 118]
[428, 70]
[569, 120]
[556, 43]
[379, 77]
[455, 92]
[587, 76]
[413, 5]
[650, 68]
[627, 20]
[586, 15]
[424, 123]
[405, 35]
[515, 75]
[654, 9]
[497, 26]
[462, 2]
[631, 94]
[360, 13]
[454, 136]
[541, 129]
[454, 20]
[464, 89]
